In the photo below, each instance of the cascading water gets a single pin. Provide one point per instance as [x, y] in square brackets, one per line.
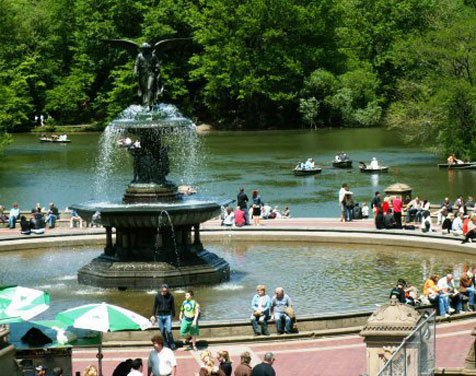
[147, 251]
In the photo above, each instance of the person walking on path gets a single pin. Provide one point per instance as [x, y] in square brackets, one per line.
[265, 368]
[189, 313]
[164, 311]
[242, 201]
[161, 360]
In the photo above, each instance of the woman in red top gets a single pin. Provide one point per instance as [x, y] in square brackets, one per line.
[385, 207]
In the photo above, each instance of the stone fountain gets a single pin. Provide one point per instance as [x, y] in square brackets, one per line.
[157, 229]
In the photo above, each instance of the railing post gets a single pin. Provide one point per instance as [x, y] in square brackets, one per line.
[404, 358]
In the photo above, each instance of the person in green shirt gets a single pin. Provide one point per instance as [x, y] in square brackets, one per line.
[189, 313]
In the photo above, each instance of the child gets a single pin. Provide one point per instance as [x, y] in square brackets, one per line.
[189, 319]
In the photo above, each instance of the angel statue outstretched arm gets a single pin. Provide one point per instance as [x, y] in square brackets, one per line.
[147, 67]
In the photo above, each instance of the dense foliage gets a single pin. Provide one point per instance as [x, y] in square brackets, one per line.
[250, 63]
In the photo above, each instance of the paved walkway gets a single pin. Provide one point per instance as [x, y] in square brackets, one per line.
[338, 356]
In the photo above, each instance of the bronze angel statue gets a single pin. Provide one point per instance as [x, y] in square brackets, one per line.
[147, 67]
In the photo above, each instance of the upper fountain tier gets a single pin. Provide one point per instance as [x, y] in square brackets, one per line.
[161, 116]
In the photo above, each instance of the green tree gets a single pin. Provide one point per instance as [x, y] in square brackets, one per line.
[436, 103]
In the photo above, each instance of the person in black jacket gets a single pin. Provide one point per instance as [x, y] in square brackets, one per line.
[164, 310]
[399, 292]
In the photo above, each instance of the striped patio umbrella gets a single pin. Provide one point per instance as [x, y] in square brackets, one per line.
[103, 318]
[19, 303]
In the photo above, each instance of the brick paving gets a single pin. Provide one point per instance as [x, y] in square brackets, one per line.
[337, 356]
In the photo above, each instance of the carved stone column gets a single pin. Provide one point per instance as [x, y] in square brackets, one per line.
[385, 331]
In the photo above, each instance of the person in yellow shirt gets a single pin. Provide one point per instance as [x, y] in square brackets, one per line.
[434, 295]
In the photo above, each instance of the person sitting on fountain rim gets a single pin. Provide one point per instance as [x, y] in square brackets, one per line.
[471, 233]
[164, 310]
[260, 306]
[446, 286]
[434, 295]
[14, 215]
[399, 291]
[280, 305]
[228, 217]
[466, 284]
[389, 220]
[52, 215]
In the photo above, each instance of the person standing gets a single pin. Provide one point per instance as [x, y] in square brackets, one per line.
[161, 360]
[242, 200]
[397, 211]
[164, 310]
[341, 200]
[136, 368]
[265, 368]
[376, 201]
[223, 358]
[189, 313]
[14, 215]
[244, 369]
[257, 204]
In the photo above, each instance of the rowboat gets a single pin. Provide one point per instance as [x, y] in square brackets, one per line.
[364, 168]
[302, 172]
[343, 164]
[54, 141]
[459, 166]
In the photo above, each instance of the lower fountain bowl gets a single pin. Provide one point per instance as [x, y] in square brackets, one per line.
[108, 272]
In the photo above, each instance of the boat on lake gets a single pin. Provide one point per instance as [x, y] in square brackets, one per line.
[55, 141]
[459, 166]
[370, 170]
[304, 172]
[342, 164]
[54, 138]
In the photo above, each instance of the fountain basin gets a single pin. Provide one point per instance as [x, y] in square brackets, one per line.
[182, 211]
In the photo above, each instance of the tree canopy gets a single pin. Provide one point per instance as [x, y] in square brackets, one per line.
[251, 64]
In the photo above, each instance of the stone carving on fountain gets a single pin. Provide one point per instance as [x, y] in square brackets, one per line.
[157, 229]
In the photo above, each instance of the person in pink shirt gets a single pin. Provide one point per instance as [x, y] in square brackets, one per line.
[397, 211]
[239, 217]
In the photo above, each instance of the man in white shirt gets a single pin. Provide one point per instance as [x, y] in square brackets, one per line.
[342, 193]
[136, 368]
[374, 164]
[446, 285]
[161, 359]
[457, 226]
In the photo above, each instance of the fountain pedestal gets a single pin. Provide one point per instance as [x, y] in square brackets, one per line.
[157, 229]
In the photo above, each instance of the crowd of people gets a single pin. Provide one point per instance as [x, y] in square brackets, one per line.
[396, 212]
[441, 292]
[38, 218]
[256, 211]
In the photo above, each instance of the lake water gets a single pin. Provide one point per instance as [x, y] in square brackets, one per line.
[320, 278]
[32, 172]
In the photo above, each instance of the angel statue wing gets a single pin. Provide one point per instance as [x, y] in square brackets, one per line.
[129, 45]
[164, 44]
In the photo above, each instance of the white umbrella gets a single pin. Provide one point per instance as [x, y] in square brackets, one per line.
[19, 303]
[103, 318]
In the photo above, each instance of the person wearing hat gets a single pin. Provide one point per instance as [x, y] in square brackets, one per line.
[164, 310]
[41, 370]
[399, 291]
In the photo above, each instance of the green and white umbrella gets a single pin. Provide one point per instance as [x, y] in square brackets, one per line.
[103, 318]
[21, 303]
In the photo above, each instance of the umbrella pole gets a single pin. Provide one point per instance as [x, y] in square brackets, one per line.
[100, 355]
